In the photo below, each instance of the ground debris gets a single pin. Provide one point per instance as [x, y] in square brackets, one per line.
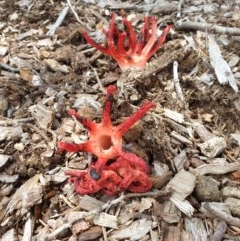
[191, 141]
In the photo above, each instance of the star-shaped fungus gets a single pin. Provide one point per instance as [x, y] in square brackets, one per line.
[120, 175]
[130, 49]
[105, 140]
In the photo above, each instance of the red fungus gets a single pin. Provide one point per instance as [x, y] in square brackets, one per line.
[120, 175]
[85, 184]
[133, 179]
[129, 49]
[105, 140]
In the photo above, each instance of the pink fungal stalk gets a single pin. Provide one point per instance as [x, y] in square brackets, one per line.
[129, 49]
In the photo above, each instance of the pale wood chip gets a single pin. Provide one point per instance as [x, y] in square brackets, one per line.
[43, 115]
[92, 233]
[105, 220]
[28, 228]
[10, 235]
[216, 168]
[185, 206]
[213, 147]
[4, 159]
[3, 50]
[174, 115]
[170, 213]
[56, 66]
[5, 178]
[10, 132]
[143, 204]
[180, 159]
[236, 138]
[180, 138]
[196, 226]
[182, 184]
[79, 227]
[89, 203]
[202, 132]
[27, 195]
[135, 231]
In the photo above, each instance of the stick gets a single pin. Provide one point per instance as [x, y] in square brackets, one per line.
[207, 27]
[10, 122]
[176, 81]
[58, 22]
[180, 3]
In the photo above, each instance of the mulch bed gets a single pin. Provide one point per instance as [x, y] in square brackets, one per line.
[191, 140]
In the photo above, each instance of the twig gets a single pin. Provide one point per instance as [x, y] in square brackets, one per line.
[176, 81]
[207, 27]
[219, 232]
[10, 122]
[74, 12]
[222, 215]
[98, 80]
[148, 194]
[58, 22]
[9, 68]
[180, 3]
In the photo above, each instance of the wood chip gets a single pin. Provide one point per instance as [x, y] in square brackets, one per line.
[91, 234]
[182, 184]
[10, 235]
[105, 220]
[10, 132]
[173, 115]
[43, 115]
[3, 50]
[222, 70]
[56, 66]
[213, 147]
[4, 159]
[216, 168]
[196, 226]
[135, 231]
[8, 178]
[89, 203]
[26, 196]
